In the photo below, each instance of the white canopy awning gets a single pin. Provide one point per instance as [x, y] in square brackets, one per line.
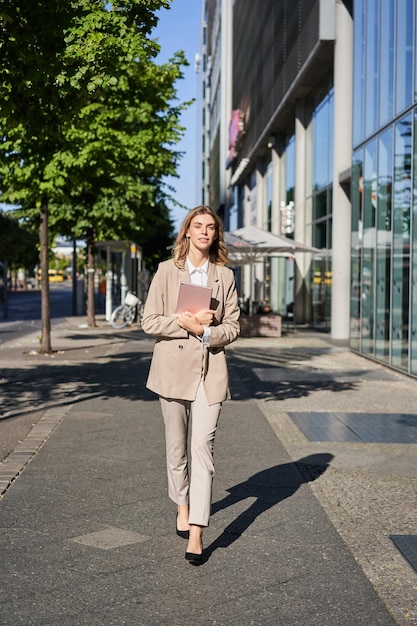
[250, 244]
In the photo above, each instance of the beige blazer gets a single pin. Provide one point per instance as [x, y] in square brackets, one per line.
[179, 358]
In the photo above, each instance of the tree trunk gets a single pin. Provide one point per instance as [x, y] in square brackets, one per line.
[45, 347]
[91, 319]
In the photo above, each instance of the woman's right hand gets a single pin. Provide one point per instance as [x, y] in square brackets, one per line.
[205, 317]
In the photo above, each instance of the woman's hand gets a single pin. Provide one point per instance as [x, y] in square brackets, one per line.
[195, 323]
[205, 316]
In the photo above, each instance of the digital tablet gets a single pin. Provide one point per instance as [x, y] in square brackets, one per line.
[193, 298]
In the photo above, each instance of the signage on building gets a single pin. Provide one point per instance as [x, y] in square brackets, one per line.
[287, 217]
[236, 132]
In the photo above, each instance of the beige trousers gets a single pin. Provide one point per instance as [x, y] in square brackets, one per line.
[191, 483]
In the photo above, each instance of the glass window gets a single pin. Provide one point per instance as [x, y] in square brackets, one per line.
[323, 143]
[358, 70]
[321, 284]
[330, 226]
[320, 234]
[401, 242]
[320, 206]
[386, 68]
[371, 67]
[368, 250]
[290, 170]
[383, 246]
[322, 175]
[415, 57]
[414, 268]
[356, 249]
[240, 206]
[321, 265]
[404, 55]
[269, 196]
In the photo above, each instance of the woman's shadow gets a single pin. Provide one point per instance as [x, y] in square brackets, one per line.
[268, 487]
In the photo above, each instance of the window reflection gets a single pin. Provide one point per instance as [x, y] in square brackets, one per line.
[386, 55]
[383, 243]
[414, 270]
[322, 210]
[323, 143]
[356, 247]
[290, 170]
[371, 66]
[368, 249]
[358, 72]
[404, 55]
[401, 241]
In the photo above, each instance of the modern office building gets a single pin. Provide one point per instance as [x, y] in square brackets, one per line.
[322, 147]
[215, 63]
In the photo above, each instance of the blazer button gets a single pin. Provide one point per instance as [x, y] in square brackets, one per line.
[181, 346]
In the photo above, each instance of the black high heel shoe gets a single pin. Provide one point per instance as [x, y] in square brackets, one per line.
[184, 534]
[193, 557]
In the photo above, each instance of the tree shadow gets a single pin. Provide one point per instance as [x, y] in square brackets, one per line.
[278, 375]
[61, 382]
[86, 368]
[269, 487]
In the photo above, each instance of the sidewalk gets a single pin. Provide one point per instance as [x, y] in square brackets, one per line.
[300, 532]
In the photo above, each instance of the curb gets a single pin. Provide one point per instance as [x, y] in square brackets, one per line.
[17, 460]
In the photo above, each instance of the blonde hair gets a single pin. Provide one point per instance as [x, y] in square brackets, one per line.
[218, 250]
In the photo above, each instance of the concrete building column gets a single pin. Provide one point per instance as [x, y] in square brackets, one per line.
[341, 229]
[302, 308]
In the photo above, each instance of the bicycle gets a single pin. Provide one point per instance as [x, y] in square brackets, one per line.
[123, 315]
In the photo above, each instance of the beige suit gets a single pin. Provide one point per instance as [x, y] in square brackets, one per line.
[179, 358]
[191, 380]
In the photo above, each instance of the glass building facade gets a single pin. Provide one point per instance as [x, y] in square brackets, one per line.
[383, 310]
[322, 185]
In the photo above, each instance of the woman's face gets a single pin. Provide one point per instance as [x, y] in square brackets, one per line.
[202, 232]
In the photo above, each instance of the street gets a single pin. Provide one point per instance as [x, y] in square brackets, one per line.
[24, 310]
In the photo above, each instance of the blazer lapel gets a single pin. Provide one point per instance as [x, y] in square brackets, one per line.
[213, 280]
[183, 275]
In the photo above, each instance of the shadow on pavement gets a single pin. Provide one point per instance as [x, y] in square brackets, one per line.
[280, 375]
[60, 384]
[269, 487]
[81, 372]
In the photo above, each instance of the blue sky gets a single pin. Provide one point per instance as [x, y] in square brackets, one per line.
[179, 29]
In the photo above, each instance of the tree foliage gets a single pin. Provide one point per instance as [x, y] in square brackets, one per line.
[18, 243]
[87, 116]
[88, 119]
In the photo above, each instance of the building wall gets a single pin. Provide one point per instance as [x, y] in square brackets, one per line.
[327, 93]
[216, 102]
[272, 41]
[291, 169]
[283, 66]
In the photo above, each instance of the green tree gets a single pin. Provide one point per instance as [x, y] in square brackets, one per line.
[117, 151]
[18, 243]
[86, 117]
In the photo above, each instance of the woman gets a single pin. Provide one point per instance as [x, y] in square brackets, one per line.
[188, 369]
